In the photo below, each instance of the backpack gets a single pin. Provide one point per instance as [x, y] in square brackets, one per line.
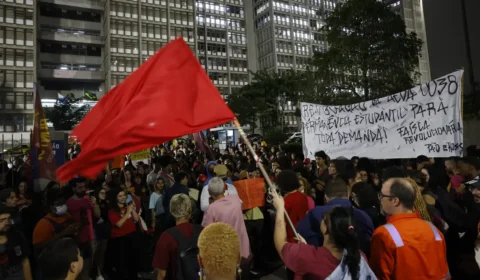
[187, 254]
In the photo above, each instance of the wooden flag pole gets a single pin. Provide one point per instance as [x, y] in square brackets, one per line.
[264, 172]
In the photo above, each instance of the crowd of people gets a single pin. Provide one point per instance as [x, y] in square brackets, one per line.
[180, 216]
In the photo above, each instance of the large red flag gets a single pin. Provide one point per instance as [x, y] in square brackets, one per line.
[169, 96]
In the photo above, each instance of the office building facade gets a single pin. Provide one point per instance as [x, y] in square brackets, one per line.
[412, 13]
[78, 46]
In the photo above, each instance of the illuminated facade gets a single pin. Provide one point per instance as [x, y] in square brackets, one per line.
[412, 13]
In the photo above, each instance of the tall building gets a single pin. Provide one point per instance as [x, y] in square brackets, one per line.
[17, 64]
[288, 32]
[69, 46]
[413, 15]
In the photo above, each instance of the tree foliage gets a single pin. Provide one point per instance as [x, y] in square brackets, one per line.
[65, 116]
[265, 98]
[370, 54]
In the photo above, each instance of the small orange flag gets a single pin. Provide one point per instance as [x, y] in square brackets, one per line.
[251, 192]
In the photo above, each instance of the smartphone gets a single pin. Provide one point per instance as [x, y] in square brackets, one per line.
[90, 192]
[129, 199]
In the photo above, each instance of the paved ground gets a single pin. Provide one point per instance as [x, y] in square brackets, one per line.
[279, 274]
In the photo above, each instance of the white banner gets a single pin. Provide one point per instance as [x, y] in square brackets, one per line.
[425, 120]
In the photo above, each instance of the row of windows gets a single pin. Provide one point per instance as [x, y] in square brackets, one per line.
[70, 67]
[222, 64]
[220, 50]
[266, 62]
[285, 61]
[74, 49]
[265, 48]
[16, 36]
[216, 8]
[124, 64]
[18, 79]
[218, 22]
[220, 36]
[12, 57]
[20, 2]
[51, 10]
[16, 122]
[14, 15]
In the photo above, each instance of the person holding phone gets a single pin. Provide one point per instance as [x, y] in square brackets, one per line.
[83, 207]
[122, 215]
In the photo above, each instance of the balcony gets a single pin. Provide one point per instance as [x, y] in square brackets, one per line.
[72, 37]
[70, 23]
[98, 5]
[70, 59]
[53, 94]
[71, 74]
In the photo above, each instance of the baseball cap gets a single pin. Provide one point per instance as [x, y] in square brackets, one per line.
[474, 183]
[221, 171]
[306, 161]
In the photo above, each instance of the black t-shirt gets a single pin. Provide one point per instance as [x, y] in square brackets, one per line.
[14, 252]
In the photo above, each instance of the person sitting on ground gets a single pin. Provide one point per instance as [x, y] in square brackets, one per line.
[61, 260]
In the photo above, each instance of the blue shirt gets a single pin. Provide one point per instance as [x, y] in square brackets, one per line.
[309, 227]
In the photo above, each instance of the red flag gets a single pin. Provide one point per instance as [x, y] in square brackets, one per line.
[43, 157]
[169, 96]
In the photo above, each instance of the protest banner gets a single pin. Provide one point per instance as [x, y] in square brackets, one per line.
[43, 157]
[425, 120]
[143, 155]
[251, 192]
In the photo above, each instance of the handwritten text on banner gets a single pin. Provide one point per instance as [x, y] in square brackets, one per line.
[425, 120]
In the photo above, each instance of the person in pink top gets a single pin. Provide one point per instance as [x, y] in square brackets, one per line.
[80, 206]
[227, 209]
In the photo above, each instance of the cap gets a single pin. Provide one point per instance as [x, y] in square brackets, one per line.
[474, 183]
[306, 161]
[221, 171]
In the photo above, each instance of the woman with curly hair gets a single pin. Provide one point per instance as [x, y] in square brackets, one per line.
[219, 252]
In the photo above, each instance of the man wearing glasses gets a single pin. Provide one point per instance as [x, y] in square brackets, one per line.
[406, 247]
[14, 252]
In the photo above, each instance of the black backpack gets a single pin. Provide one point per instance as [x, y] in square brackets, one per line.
[187, 258]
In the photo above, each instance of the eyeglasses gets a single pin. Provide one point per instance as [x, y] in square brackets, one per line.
[381, 195]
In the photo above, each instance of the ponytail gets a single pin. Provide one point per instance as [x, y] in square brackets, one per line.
[340, 225]
[352, 258]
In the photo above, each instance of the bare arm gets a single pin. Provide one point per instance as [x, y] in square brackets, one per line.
[280, 234]
[161, 274]
[27, 271]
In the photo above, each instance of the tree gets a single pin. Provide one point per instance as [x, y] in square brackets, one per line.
[266, 98]
[66, 115]
[370, 53]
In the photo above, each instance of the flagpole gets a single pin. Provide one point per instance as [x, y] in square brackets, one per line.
[262, 169]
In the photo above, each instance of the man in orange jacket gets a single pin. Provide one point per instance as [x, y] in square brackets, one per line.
[406, 247]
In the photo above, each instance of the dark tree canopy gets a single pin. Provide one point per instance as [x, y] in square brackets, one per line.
[370, 54]
[65, 116]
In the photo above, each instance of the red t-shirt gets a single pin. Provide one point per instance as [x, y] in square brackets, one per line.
[165, 255]
[309, 262]
[296, 205]
[127, 228]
